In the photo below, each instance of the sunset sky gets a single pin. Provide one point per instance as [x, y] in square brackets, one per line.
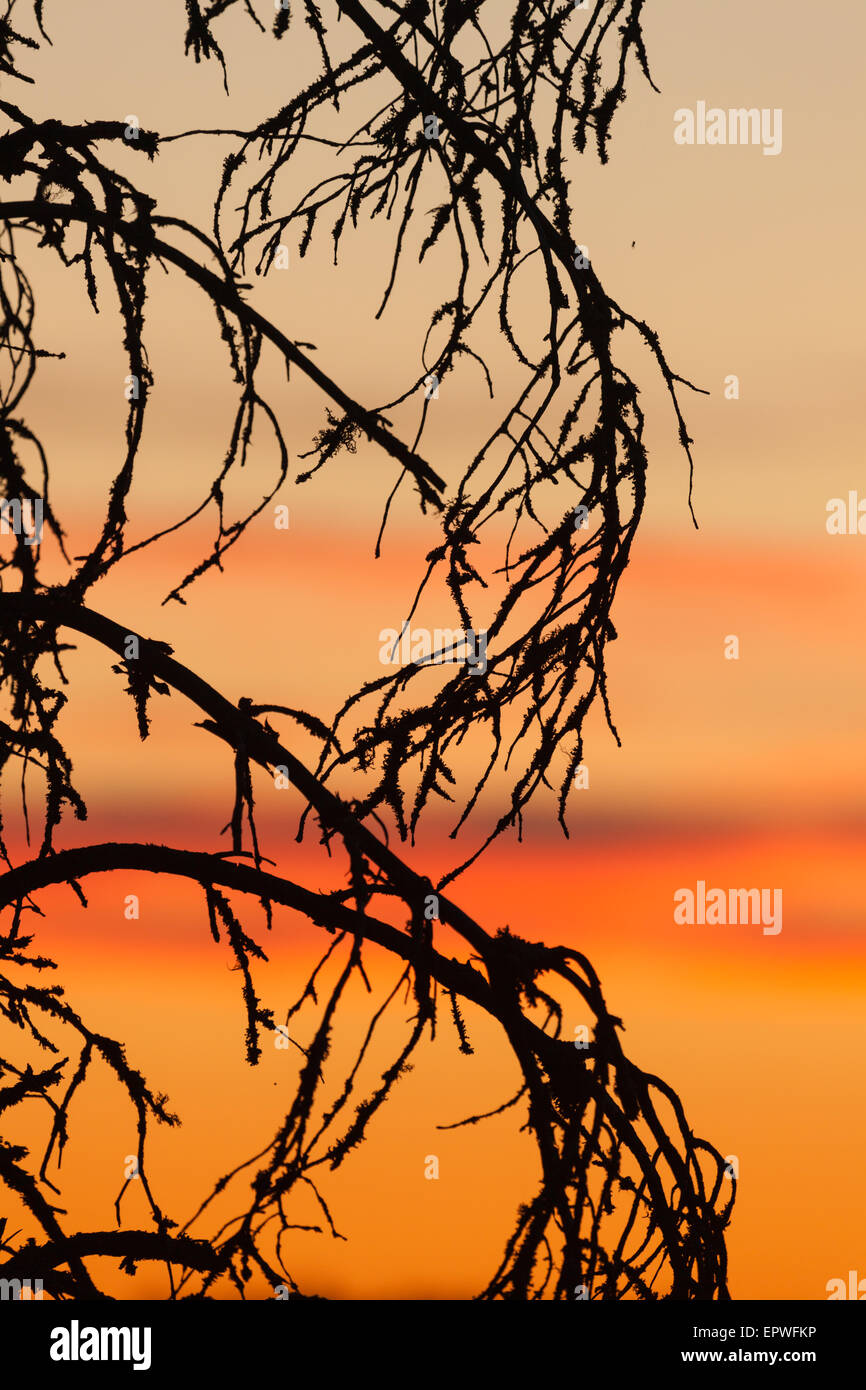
[745, 772]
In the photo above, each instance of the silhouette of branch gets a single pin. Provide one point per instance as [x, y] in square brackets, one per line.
[545, 641]
[469, 114]
[560, 1083]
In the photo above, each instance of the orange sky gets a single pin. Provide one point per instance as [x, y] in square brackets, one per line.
[748, 772]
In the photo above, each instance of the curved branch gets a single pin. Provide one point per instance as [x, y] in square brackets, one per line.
[241, 730]
[72, 864]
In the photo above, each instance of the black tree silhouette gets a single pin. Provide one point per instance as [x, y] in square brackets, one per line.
[470, 106]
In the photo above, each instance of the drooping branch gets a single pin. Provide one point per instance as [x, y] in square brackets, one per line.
[324, 909]
[497, 145]
[561, 1083]
[628, 1203]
